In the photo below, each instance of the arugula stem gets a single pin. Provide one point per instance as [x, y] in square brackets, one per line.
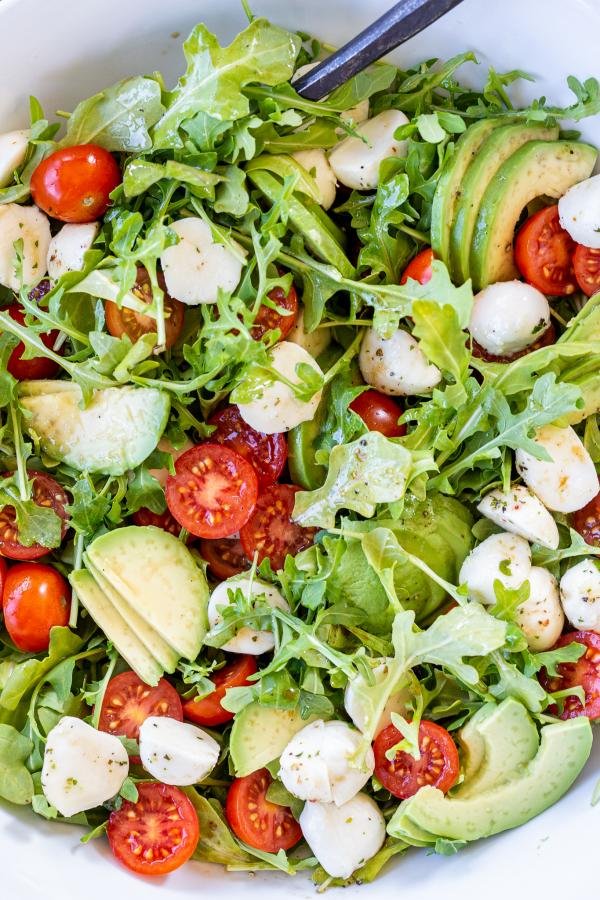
[22, 478]
[77, 564]
[346, 357]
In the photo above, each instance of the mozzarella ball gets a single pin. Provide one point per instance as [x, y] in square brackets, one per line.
[566, 483]
[82, 767]
[359, 692]
[519, 511]
[316, 162]
[579, 212]
[176, 752]
[356, 161]
[68, 247]
[319, 763]
[509, 316]
[314, 342]
[396, 366]
[343, 837]
[278, 408]
[246, 640]
[580, 595]
[501, 557]
[166, 446]
[197, 267]
[541, 617]
[30, 225]
[13, 150]
[356, 114]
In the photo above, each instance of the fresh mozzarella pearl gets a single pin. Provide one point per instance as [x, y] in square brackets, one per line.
[519, 511]
[343, 837]
[166, 446]
[356, 162]
[30, 225]
[579, 212]
[580, 595]
[175, 752]
[13, 150]
[278, 408]
[357, 114]
[358, 692]
[396, 365]
[197, 267]
[508, 317]
[314, 342]
[316, 162]
[67, 248]
[541, 617]
[319, 763]
[247, 640]
[501, 557]
[569, 481]
[82, 767]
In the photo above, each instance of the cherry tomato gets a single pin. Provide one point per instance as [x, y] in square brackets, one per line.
[35, 598]
[39, 366]
[208, 710]
[404, 775]
[128, 702]
[255, 820]
[586, 262]
[266, 453]
[270, 531]
[164, 520]
[587, 521]
[158, 833]
[121, 320]
[544, 253]
[548, 338]
[3, 571]
[585, 672]
[213, 491]
[419, 268]
[268, 319]
[379, 413]
[45, 491]
[73, 184]
[225, 557]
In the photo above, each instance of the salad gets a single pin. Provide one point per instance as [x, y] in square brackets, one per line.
[299, 504]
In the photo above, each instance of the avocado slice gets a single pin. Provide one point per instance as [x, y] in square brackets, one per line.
[158, 578]
[564, 750]
[538, 168]
[115, 627]
[260, 734]
[496, 149]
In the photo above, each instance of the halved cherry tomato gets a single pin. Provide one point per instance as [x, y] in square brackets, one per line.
[121, 320]
[213, 491]
[585, 672]
[158, 833]
[266, 453]
[208, 710]
[45, 491]
[73, 184]
[270, 531]
[548, 338]
[586, 262]
[379, 413]
[419, 268]
[39, 366]
[403, 775]
[225, 557]
[268, 319]
[255, 820]
[544, 253]
[164, 520]
[128, 702]
[587, 521]
[35, 598]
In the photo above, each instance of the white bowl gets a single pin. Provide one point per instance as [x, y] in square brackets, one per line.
[63, 50]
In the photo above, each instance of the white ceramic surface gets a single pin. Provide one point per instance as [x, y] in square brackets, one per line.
[63, 50]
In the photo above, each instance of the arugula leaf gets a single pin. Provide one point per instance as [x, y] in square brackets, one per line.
[25, 675]
[441, 338]
[513, 683]
[217, 844]
[35, 524]
[88, 507]
[16, 783]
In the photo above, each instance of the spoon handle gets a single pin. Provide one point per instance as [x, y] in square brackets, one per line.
[397, 25]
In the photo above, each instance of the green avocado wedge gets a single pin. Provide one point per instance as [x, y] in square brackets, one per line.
[260, 734]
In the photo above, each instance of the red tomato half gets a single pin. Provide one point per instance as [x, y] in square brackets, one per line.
[404, 775]
[585, 673]
[266, 453]
[379, 413]
[225, 557]
[158, 833]
[164, 520]
[255, 820]
[544, 253]
[46, 492]
[270, 531]
[419, 268]
[213, 491]
[586, 262]
[268, 319]
[121, 320]
[587, 521]
[35, 599]
[208, 710]
[128, 702]
[39, 366]
[73, 184]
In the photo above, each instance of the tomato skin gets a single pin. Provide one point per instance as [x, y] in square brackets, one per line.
[548, 338]
[585, 672]
[225, 557]
[73, 184]
[128, 702]
[379, 413]
[587, 521]
[158, 833]
[404, 775]
[164, 520]
[255, 820]
[35, 598]
[120, 321]
[213, 491]
[266, 453]
[45, 492]
[544, 253]
[268, 319]
[586, 263]
[208, 711]
[270, 530]
[39, 366]
[419, 268]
